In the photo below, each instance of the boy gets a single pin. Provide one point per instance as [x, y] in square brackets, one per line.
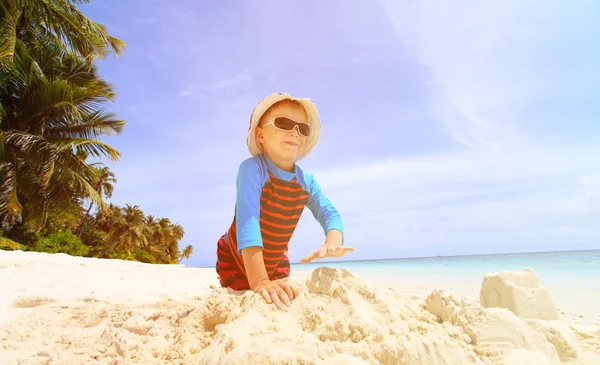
[272, 192]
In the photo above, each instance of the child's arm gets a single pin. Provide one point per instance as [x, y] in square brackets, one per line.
[325, 213]
[329, 218]
[247, 207]
[273, 292]
[255, 265]
[249, 240]
[247, 212]
[334, 238]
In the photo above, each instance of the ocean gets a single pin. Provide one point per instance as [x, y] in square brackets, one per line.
[573, 269]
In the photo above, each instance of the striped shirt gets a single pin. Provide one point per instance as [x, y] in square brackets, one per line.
[269, 204]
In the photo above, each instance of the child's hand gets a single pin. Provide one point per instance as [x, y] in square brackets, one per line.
[326, 251]
[275, 292]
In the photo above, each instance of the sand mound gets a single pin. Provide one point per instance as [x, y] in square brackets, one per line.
[32, 302]
[520, 292]
[503, 338]
[336, 318]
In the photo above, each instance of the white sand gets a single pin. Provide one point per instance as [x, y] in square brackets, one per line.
[57, 309]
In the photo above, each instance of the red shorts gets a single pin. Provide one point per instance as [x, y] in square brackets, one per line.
[232, 276]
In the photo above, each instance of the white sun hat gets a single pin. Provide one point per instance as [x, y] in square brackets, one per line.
[313, 122]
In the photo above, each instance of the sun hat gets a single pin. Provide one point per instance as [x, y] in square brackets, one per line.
[313, 121]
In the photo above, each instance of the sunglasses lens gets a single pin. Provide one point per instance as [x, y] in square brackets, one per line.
[304, 129]
[287, 124]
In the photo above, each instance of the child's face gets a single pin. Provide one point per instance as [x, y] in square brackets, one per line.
[277, 143]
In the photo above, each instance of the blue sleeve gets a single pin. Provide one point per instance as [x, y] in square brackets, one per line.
[323, 210]
[247, 208]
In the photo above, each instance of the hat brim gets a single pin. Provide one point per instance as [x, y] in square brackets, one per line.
[313, 121]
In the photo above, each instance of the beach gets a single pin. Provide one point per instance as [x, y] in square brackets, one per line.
[59, 309]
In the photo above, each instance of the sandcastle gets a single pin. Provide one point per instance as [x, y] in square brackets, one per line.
[520, 292]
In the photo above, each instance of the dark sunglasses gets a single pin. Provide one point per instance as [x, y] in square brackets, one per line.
[287, 125]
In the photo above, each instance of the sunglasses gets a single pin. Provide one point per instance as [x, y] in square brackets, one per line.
[288, 125]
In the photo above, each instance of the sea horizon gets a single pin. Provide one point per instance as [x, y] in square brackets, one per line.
[329, 261]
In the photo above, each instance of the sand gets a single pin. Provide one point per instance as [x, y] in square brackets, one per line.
[57, 309]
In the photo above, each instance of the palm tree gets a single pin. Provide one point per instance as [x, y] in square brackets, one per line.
[50, 117]
[160, 237]
[128, 231]
[176, 235]
[105, 217]
[164, 239]
[187, 252]
[104, 185]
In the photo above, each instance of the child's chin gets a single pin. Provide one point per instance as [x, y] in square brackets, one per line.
[291, 156]
[291, 151]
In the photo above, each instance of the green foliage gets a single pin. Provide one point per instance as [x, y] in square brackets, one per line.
[120, 255]
[62, 241]
[51, 116]
[52, 122]
[8, 244]
[144, 256]
[93, 237]
[21, 234]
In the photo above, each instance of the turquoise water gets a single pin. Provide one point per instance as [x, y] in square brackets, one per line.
[571, 269]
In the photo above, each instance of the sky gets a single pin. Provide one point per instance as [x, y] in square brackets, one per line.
[448, 128]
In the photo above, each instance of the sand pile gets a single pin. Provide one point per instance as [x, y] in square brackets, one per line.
[500, 337]
[336, 319]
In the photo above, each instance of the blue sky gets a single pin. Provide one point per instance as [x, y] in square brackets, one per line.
[447, 128]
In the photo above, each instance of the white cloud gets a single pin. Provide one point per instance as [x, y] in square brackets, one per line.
[188, 91]
[491, 61]
[465, 166]
[507, 190]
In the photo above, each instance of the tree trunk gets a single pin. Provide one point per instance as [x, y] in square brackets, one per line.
[109, 248]
[98, 188]
[85, 217]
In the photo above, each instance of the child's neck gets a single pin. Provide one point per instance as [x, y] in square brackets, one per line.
[284, 164]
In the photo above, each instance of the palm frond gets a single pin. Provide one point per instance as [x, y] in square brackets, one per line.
[58, 103]
[35, 149]
[78, 175]
[62, 201]
[10, 244]
[95, 125]
[71, 27]
[51, 100]
[14, 75]
[9, 15]
[93, 147]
